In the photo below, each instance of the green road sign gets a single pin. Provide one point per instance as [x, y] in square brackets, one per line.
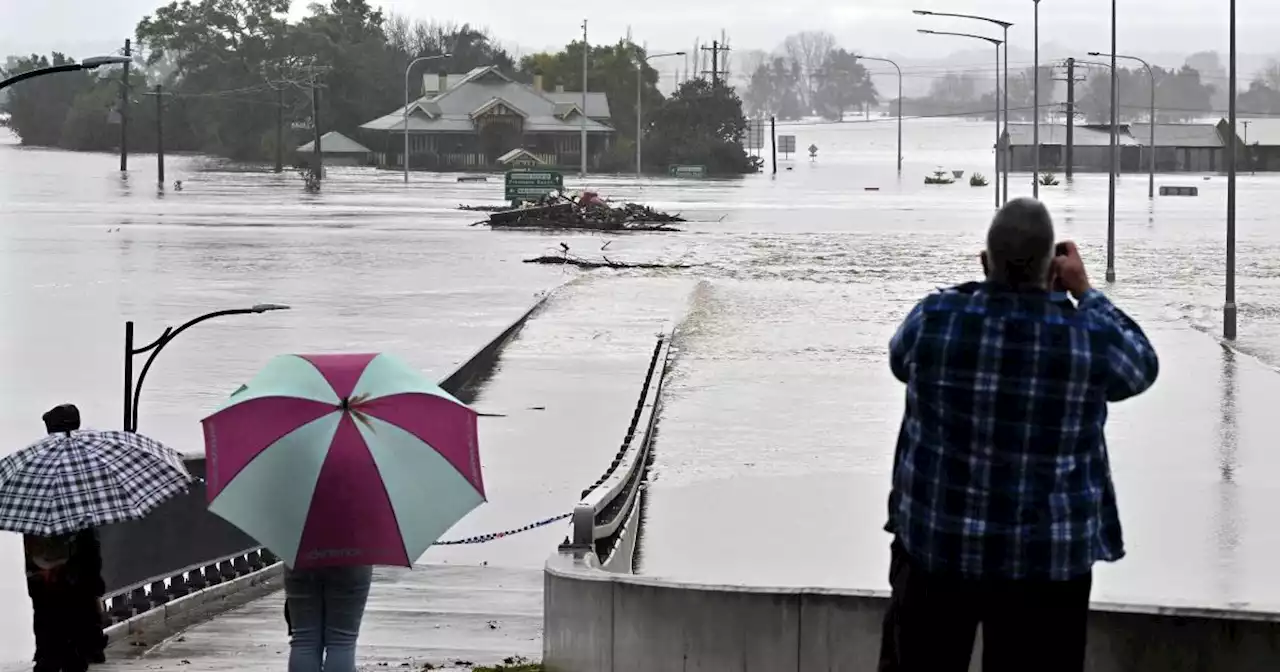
[688, 171]
[528, 185]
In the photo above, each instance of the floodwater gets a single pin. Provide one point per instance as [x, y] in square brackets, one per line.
[779, 419]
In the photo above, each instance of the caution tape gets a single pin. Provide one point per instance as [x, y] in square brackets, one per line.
[483, 538]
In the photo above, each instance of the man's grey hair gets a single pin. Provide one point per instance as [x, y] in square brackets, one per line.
[1020, 243]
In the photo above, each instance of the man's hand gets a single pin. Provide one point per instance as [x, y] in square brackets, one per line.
[1069, 270]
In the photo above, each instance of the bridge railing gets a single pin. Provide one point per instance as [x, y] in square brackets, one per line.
[605, 521]
[181, 547]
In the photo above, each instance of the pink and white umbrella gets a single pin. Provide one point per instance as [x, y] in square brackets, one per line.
[342, 460]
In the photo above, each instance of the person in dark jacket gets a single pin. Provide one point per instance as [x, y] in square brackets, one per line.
[64, 580]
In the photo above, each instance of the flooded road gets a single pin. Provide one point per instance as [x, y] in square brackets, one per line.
[780, 417]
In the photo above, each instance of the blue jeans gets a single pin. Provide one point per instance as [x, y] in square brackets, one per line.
[325, 606]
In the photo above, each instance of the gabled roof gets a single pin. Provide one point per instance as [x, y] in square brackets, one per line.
[1178, 135]
[486, 86]
[564, 110]
[518, 153]
[334, 142]
[597, 102]
[1263, 132]
[1022, 135]
[494, 102]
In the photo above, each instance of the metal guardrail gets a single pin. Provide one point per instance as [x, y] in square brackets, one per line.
[151, 561]
[602, 520]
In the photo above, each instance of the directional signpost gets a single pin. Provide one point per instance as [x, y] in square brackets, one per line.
[688, 171]
[531, 185]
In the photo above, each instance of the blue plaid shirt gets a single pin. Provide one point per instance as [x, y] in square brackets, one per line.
[1001, 467]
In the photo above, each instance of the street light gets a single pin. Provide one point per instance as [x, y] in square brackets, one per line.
[407, 69]
[1151, 177]
[996, 42]
[132, 391]
[1005, 25]
[91, 63]
[1035, 87]
[1115, 154]
[640, 63]
[1229, 307]
[895, 65]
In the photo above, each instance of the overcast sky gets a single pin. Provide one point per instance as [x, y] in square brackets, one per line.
[874, 26]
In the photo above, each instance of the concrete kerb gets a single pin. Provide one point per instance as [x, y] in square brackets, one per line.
[599, 621]
[212, 600]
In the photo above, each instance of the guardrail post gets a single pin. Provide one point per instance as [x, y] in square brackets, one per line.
[159, 593]
[120, 608]
[138, 601]
[178, 585]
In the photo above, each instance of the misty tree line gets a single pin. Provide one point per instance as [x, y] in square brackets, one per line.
[807, 74]
[230, 68]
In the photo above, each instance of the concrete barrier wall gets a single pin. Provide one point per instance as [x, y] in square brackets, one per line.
[181, 532]
[597, 621]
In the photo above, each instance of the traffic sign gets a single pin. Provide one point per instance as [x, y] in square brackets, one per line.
[529, 185]
[688, 171]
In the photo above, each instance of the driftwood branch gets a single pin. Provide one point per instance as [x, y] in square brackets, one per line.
[604, 262]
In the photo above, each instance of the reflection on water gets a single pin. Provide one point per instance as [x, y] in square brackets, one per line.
[781, 414]
[1228, 514]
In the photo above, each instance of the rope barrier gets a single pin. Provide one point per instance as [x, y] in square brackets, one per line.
[483, 538]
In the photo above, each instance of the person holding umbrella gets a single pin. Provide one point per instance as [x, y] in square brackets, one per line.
[336, 464]
[55, 492]
[64, 580]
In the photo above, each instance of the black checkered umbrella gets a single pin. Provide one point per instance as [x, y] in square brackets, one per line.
[68, 482]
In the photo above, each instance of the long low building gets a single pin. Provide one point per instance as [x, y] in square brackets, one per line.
[1195, 148]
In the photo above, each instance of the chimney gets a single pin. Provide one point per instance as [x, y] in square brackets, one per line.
[559, 88]
[537, 81]
[444, 81]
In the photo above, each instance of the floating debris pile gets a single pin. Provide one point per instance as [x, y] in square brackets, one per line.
[603, 262]
[590, 213]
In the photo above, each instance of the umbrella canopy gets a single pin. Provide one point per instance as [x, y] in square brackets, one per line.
[71, 481]
[342, 460]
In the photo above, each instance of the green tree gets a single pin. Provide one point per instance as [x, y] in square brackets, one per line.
[775, 89]
[701, 124]
[38, 107]
[841, 84]
[611, 69]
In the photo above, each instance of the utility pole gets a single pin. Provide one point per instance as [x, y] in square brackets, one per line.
[773, 142]
[124, 109]
[1071, 81]
[586, 48]
[315, 128]
[1114, 159]
[280, 130]
[715, 50]
[159, 136]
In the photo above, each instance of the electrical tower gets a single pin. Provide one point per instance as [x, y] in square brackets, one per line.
[716, 49]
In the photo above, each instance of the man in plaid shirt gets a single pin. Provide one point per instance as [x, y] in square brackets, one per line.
[1002, 497]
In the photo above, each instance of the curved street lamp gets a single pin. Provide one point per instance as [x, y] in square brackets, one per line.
[640, 63]
[408, 68]
[1004, 25]
[132, 391]
[996, 42]
[1151, 74]
[91, 63]
[895, 65]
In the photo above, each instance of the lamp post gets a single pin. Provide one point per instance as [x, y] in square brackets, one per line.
[1151, 169]
[91, 63]
[1035, 88]
[640, 63]
[408, 68]
[1005, 25]
[996, 42]
[132, 390]
[1114, 158]
[899, 69]
[1229, 307]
